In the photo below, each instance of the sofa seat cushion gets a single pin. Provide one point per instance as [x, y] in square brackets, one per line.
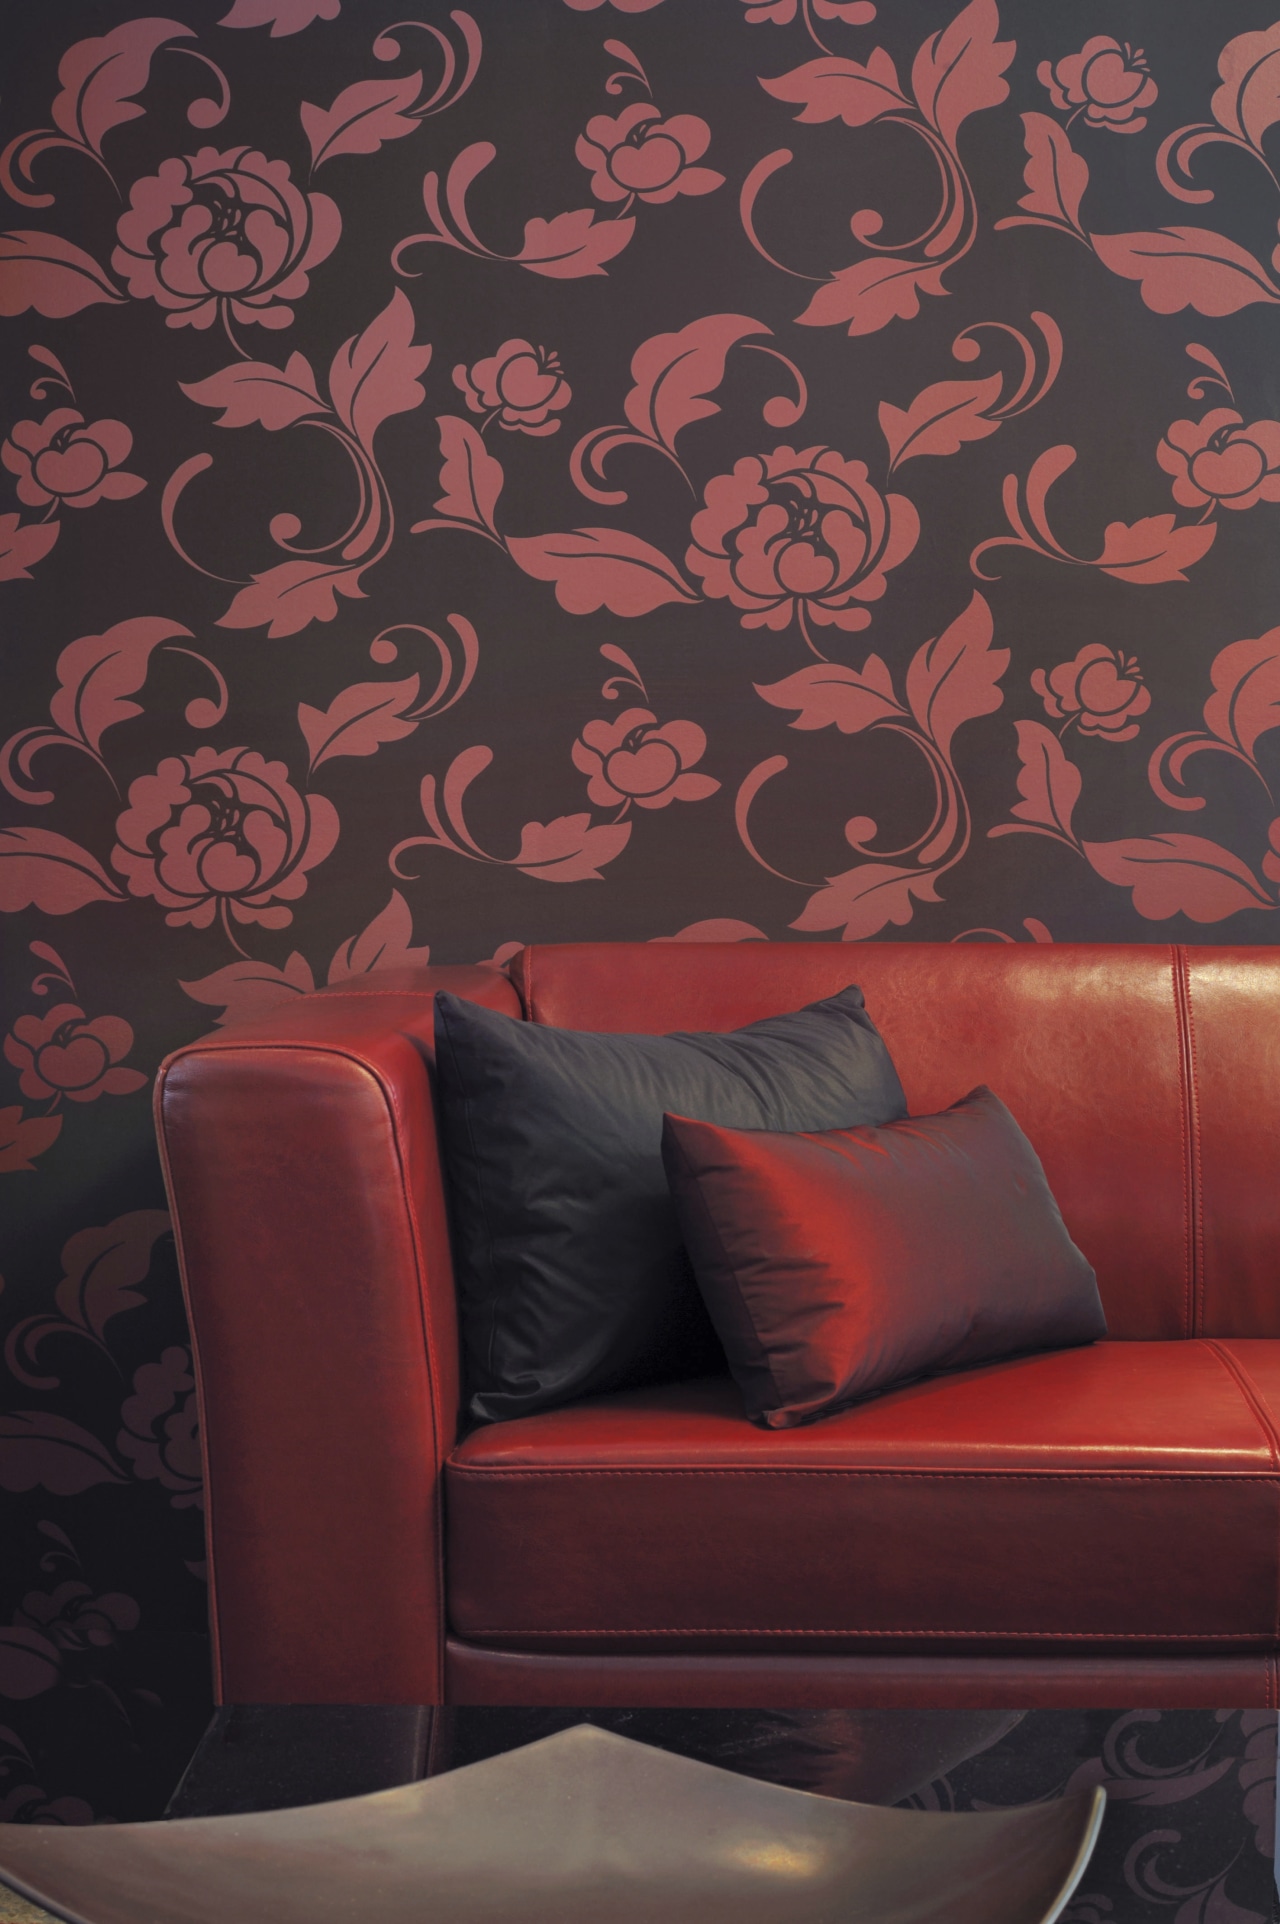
[1124, 1496]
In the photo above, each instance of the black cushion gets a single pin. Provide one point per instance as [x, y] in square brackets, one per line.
[572, 1278]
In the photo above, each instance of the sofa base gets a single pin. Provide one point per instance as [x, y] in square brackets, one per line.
[474, 1675]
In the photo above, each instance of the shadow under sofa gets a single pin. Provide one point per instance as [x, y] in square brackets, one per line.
[1080, 1527]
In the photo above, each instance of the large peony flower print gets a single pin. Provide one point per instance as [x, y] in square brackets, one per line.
[801, 534]
[222, 832]
[1111, 84]
[63, 1054]
[223, 229]
[67, 460]
[161, 1434]
[523, 385]
[640, 153]
[1221, 460]
[1102, 691]
[633, 759]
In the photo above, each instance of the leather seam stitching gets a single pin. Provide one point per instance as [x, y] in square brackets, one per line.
[1249, 1392]
[1057, 1636]
[1197, 1166]
[1253, 1397]
[1136, 1477]
[1184, 1117]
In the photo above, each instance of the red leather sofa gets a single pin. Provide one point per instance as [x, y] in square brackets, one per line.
[1092, 1526]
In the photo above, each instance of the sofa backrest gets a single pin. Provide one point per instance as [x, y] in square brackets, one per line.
[1147, 1077]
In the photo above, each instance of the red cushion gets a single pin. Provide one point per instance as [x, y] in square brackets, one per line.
[836, 1263]
[1123, 1497]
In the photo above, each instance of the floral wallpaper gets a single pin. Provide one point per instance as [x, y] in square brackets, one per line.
[550, 469]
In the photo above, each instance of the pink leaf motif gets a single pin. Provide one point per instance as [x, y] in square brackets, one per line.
[359, 720]
[569, 849]
[601, 568]
[1187, 267]
[385, 944]
[375, 374]
[1248, 102]
[23, 544]
[362, 117]
[290, 596]
[1055, 174]
[833, 89]
[282, 16]
[98, 674]
[471, 478]
[864, 899]
[719, 928]
[255, 394]
[872, 293]
[41, 870]
[957, 71]
[21, 1141]
[1173, 874]
[243, 990]
[940, 419]
[955, 678]
[1153, 549]
[1048, 783]
[100, 77]
[828, 694]
[102, 1267]
[48, 273]
[41, 1451]
[675, 373]
[1246, 698]
[574, 245]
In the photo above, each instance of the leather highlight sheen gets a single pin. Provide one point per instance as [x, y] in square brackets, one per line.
[834, 1265]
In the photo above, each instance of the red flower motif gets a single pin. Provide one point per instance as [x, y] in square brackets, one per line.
[61, 1054]
[213, 228]
[1101, 691]
[1271, 860]
[854, 13]
[61, 459]
[632, 759]
[806, 532]
[640, 153]
[222, 831]
[1110, 82]
[1219, 459]
[524, 384]
[164, 1394]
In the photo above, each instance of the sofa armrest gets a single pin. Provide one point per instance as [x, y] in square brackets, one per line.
[299, 1152]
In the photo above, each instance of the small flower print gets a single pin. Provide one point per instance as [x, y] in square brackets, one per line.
[64, 1054]
[1102, 691]
[520, 384]
[1108, 82]
[67, 460]
[632, 759]
[226, 230]
[1220, 460]
[161, 1436]
[799, 533]
[639, 154]
[222, 831]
